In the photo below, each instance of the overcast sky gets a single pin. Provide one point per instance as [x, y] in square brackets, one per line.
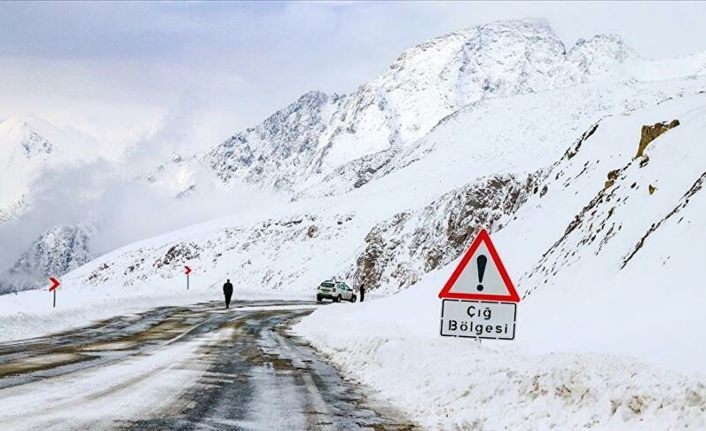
[114, 69]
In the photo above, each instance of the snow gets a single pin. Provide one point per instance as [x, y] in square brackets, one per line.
[598, 344]
[392, 346]
[610, 318]
[97, 397]
[30, 314]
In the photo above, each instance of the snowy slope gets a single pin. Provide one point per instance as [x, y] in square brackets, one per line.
[607, 275]
[314, 238]
[631, 249]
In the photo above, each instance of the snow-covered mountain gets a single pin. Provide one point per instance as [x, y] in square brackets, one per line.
[494, 104]
[331, 139]
[31, 147]
[416, 218]
[319, 133]
[56, 252]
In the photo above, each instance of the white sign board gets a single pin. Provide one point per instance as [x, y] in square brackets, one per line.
[478, 319]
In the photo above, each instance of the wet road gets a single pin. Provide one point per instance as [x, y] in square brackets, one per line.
[183, 368]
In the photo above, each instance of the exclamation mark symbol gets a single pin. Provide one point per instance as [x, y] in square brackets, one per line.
[481, 261]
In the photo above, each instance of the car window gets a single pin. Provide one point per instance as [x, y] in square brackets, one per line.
[326, 284]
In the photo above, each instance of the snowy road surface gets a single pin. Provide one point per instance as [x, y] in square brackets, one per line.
[198, 367]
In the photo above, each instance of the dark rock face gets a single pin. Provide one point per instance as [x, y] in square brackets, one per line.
[178, 254]
[408, 245]
[650, 133]
[283, 142]
[35, 144]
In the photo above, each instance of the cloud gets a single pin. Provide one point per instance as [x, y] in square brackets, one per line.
[118, 200]
[116, 66]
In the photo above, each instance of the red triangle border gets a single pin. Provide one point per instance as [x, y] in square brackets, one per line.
[482, 237]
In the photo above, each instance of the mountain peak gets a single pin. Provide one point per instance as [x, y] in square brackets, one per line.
[26, 122]
[607, 42]
[56, 251]
[529, 24]
[24, 132]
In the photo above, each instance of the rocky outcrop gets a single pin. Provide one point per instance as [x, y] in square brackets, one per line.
[178, 254]
[612, 176]
[650, 133]
[408, 245]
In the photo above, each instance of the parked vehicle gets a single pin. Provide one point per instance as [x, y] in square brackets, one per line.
[336, 291]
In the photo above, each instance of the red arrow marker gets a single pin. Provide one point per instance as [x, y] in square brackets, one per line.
[54, 284]
[187, 271]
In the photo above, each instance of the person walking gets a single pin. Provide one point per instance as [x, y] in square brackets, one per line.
[228, 292]
[362, 292]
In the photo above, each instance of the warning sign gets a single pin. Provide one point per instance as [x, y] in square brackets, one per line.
[479, 300]
[480, 275]
[478, 319]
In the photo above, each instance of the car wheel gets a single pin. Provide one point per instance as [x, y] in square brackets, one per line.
[354, 298]
[337, 299]
[319, 298]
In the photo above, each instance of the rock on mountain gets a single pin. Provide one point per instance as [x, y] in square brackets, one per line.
[400, 250]
[56, 252]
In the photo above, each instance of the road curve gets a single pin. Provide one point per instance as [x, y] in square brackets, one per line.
[183, 368]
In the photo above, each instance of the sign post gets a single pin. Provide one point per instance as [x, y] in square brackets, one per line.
[187, 271]
[54, 285]
[479, 299]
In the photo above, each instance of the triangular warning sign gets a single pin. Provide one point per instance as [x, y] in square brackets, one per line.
[481, 275]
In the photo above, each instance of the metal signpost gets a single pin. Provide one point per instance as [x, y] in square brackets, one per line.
[54, 285]
[187, 271]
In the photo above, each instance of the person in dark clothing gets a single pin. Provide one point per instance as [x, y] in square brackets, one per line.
[362, 292]
[228, 292]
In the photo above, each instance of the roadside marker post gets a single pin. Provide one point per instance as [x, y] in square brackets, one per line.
[54, 285]
[479, 300]
[187, 271]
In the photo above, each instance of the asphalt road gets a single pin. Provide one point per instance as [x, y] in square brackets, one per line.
[183, 368]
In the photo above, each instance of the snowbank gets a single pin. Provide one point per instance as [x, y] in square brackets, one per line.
[392, 346]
